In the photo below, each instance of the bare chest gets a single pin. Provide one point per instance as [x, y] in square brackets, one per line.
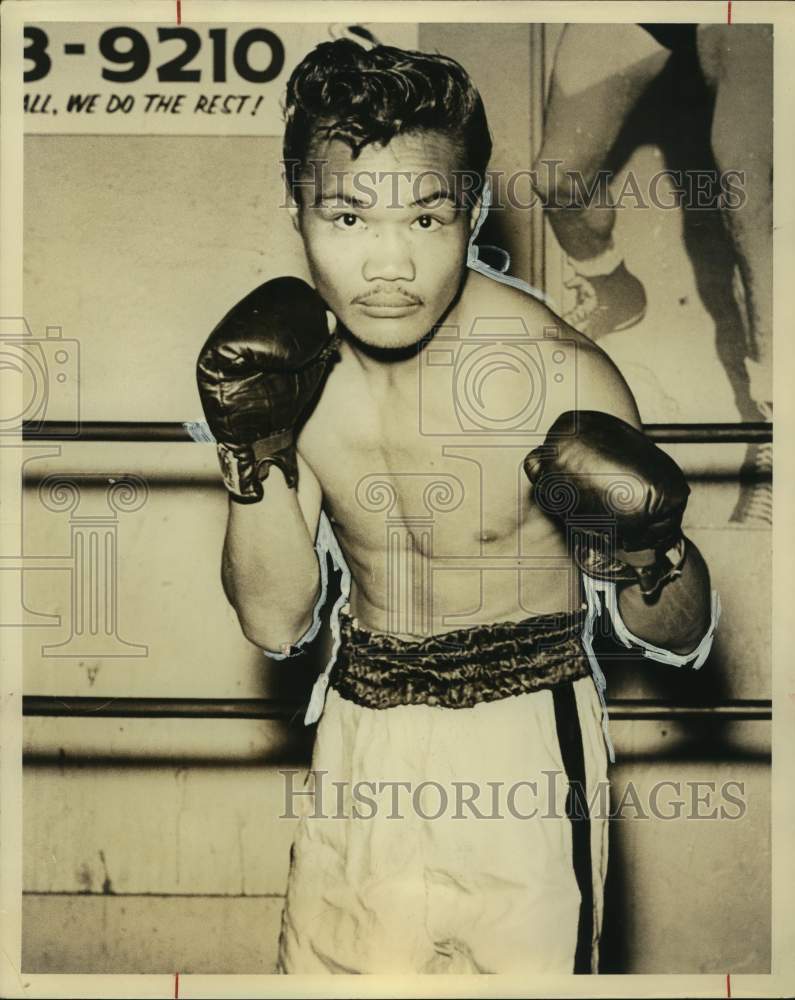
[407, 462]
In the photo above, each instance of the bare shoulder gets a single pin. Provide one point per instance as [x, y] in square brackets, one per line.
[592, 380]
[600, 383]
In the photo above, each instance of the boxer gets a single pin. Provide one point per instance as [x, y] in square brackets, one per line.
[328, 402]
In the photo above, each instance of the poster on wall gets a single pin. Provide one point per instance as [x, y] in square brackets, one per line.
[390, 573]
[183, 78]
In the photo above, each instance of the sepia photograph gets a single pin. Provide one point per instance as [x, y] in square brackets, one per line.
[388, 525]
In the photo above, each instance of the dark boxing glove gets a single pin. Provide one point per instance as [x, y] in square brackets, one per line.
[619, 494]
[257, 374]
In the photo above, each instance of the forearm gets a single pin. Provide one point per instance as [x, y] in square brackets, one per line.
[679, 616]
[270, 570]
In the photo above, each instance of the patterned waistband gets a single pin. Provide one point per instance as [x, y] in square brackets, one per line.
[461, 668]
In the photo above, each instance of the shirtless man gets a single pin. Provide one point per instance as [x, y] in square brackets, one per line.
[461, 659]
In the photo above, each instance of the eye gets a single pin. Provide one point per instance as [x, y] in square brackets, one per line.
[427, 223]
[346, 221]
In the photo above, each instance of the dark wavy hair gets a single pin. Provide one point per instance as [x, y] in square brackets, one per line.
[342, 90]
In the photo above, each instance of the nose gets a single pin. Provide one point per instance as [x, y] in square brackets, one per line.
[388, 258]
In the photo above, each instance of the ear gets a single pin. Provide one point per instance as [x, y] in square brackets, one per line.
[474, 214]
[290, 202]
[294, 210]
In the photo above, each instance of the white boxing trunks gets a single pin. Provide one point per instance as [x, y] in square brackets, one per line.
[449, 829]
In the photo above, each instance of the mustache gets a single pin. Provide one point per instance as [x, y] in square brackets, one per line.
[387, 297]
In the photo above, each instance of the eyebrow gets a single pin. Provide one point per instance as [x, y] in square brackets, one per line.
[435, 198]
[346, 199]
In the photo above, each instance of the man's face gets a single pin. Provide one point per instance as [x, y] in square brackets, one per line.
[385, 238]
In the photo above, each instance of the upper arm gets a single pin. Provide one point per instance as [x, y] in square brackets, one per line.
[310, 496]
[598, 382]
[602, 387]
